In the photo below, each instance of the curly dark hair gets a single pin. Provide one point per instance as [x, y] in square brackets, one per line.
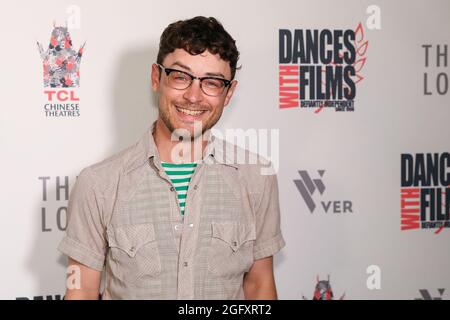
[197, 35]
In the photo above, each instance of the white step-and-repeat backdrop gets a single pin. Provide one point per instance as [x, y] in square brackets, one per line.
[350, 99]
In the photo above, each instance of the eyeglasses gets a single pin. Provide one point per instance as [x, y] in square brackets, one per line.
[180, 80]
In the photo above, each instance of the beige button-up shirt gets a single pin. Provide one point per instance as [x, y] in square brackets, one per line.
[124, 219]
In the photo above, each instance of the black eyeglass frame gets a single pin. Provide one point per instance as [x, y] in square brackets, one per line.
[226, 82]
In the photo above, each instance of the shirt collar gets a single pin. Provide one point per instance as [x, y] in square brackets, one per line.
[146, 149]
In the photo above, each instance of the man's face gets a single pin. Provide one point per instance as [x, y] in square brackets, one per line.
[179, 109]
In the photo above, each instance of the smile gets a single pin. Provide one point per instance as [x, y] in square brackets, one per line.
[190, 112]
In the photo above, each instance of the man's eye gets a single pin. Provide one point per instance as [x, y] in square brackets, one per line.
[180, 77]
[213, 83]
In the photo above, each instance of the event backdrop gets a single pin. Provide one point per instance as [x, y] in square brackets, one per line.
[350, 100]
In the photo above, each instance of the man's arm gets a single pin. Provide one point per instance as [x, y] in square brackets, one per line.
[89, 281]
[259, 282]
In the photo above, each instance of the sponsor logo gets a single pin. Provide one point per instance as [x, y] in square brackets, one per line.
[308, 186]
[61, 74]
[426, 295]
[425, 191]
[323, 290]
[55, 194]
[320, 68]
[435, 77]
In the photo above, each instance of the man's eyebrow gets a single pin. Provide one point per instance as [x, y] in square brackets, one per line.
[214, 74]
[176, 63]
[210, 74]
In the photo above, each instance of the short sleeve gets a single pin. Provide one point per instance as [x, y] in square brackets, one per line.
[85, 239]
[269, 239]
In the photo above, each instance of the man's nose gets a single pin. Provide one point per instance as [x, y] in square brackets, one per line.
[194, 93]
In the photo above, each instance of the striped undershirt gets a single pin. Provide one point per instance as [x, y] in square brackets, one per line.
[180, 175]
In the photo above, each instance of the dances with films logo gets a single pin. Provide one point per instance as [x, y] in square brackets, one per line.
[61, 74]
[425, 191]
[321, 68]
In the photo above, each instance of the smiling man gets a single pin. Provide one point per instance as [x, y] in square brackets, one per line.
[175, 216]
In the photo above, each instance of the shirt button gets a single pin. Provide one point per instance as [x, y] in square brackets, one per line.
[195, 187]
[172, 188]
[177, 226]
[185, 264]
[234, 243]
[191, 225]
[132, 249]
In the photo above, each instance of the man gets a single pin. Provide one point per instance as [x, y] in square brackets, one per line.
[174, 216]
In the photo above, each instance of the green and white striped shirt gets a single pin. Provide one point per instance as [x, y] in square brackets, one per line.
[180, 175]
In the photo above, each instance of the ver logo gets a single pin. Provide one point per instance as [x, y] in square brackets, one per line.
[307, 186]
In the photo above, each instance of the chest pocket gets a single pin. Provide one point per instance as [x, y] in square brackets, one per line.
[231, 252]
[134, 256]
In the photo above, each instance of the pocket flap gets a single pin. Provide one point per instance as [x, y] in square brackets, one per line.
[131, 238]
[235, 234]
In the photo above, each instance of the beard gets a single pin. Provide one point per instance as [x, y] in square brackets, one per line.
[182, 133]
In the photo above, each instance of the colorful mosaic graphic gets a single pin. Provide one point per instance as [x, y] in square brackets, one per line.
[61, 63]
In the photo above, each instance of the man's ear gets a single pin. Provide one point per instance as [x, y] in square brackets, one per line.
[155, 76]
[230, 92]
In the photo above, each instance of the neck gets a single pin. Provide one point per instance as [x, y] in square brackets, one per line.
[174, 151]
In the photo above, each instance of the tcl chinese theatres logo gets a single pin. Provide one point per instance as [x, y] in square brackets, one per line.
[61, 62]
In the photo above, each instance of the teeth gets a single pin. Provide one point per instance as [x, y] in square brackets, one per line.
[190, 112]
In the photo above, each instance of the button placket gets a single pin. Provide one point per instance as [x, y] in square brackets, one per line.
[189, 237]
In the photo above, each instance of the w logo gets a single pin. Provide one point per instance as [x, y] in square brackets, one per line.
[426, 295]
[307, 186]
